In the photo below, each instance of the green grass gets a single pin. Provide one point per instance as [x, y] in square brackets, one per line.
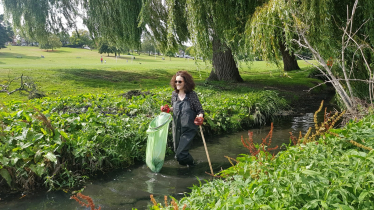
[69, 71]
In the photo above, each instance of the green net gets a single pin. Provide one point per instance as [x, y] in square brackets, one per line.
[156, 144]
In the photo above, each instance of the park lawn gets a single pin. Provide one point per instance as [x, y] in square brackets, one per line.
[71, 71]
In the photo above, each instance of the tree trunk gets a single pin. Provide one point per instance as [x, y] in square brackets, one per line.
[224, 66]
[289, 60]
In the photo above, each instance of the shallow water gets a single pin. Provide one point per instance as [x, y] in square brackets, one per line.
[132, 187]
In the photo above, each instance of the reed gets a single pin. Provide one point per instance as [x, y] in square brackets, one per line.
[360, 145]
[324, 127]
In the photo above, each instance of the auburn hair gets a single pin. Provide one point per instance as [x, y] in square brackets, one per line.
[189, 84]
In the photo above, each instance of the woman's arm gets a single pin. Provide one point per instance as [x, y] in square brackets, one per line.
[196, 105]
[173, 96]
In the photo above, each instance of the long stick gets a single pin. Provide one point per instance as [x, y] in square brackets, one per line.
[206, 150]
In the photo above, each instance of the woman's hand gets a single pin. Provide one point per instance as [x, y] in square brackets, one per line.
[165, 108]
[199, 120]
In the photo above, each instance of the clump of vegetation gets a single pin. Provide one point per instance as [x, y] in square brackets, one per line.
[60, 142]
[328, 172]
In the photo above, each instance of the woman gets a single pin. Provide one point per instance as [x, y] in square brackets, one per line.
[186, 106]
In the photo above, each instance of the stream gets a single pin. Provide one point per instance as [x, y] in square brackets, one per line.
[131, 188]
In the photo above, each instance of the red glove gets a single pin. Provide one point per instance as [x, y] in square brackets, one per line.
[165, 108]
[198, 120]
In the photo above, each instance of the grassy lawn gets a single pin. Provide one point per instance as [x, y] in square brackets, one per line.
[69, 71]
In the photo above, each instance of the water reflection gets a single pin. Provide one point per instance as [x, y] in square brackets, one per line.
[131, 188]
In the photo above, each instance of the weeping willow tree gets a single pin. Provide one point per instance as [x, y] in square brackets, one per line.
[217, 31]
[166, 23]
[39, 19]
[114, 20]
[215, 27]
[339, 33]
[266, 38]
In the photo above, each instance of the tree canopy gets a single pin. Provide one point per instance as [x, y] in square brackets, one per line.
[338, 34]
[39, 19]
[81, 37]
[170, 23]
[221, 30]
[53, 41]
[275, 22]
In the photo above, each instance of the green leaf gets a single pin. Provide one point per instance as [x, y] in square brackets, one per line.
[26, 145]
[310, 172]
[63, 134]
[37, 169]
[363, 195]
[44, 132]
[4, 161]
[38, 136]
[51, 157]
[15, 160]
[5, 174]
[19, 114]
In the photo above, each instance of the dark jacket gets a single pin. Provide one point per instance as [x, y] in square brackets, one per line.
[192, 98]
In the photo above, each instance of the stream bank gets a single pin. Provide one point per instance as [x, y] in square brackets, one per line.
[131, 188]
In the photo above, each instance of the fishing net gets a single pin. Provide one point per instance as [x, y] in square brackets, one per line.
[156, 144]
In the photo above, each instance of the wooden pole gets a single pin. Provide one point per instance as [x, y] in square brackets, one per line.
[206, 150]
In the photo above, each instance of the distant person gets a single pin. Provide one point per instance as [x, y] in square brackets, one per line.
[101, 59]
[105, 62]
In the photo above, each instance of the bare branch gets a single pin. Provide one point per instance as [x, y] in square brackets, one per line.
[361, 80]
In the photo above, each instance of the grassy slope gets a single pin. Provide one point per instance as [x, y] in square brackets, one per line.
[69, 71]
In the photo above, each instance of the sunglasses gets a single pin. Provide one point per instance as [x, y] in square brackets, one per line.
[178, 81]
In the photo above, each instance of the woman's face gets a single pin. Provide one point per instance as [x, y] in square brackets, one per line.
[179, 83]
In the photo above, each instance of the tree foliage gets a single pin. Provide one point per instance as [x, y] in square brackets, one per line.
[218, 18]
[275, 21]
[52, 42]
[41, 18]
[336, 32]
[81, 37]
[114, 20]
[170, 22]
